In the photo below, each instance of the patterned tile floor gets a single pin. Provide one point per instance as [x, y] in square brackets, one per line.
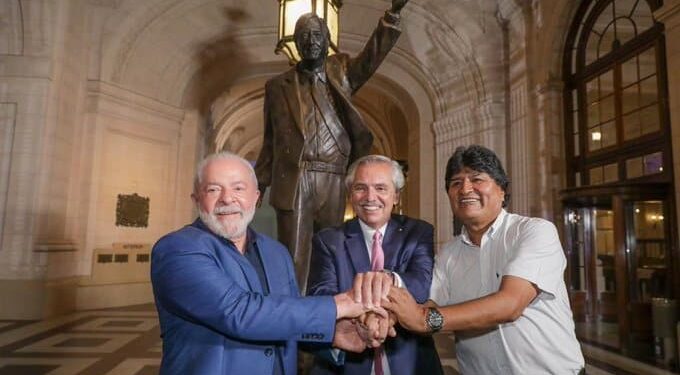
[125, 341]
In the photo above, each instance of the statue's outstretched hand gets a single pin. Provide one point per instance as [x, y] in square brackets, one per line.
[397, 5]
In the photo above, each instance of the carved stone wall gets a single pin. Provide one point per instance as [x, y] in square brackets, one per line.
[101, 97]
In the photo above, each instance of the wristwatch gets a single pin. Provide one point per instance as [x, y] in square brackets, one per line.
[434, 320]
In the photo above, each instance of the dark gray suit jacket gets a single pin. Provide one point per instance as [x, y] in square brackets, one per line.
[338, 254]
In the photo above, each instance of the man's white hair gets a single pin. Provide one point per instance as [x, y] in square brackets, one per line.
[224, 155]
[397, 173]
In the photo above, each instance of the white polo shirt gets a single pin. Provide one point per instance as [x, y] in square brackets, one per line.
[542, 339]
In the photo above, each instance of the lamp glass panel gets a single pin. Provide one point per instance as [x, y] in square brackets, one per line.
[333, 24]
[294, 9]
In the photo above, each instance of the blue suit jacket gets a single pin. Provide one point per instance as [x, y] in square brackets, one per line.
[214, 318]
[338, 254]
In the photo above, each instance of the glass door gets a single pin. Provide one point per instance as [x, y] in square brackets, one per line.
[592, 277]
[648, 260]
[619, 252]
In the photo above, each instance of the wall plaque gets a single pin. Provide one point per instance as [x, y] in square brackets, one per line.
[132, 211]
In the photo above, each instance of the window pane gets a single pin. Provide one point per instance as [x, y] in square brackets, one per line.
[608, 134]
[607, 108]
[634, 167]
[624, 8]
[578, 179]
[603, 20]
[611, 173]
[649, 119]
[653, 163]
[596, 176]
[592, 91]
[629, 72]
[606, 43]
[594, 139]
[607, 83]
[593, 114]
[630, 98]
[642, 17]
[648, 91]
[625, 30]
[631, 126]
[647, 63]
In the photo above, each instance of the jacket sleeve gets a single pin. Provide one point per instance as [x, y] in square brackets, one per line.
[362, 67]
[418, 274]
[189, 282]
[323, 278]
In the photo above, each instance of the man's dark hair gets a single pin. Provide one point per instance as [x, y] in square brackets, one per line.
[479, 159]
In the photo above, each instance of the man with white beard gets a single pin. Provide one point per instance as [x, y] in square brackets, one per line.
[227, 297]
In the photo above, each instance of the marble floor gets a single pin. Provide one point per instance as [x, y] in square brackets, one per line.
[125, 341]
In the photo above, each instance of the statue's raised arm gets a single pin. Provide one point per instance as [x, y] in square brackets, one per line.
[313, 131]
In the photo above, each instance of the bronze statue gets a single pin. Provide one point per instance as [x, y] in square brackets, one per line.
[312, 132]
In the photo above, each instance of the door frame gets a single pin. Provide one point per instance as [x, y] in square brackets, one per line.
[617, 197]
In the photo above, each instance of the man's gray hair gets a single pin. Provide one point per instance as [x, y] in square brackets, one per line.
[224, 155]
[397, 173]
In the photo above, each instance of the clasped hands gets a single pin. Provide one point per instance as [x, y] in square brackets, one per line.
[370, 323]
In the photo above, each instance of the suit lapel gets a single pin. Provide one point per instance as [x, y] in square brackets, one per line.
[392, 242]
[291, 93]
[228, 250]
[356, 247]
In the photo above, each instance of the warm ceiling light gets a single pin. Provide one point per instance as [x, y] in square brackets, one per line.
[291, 10]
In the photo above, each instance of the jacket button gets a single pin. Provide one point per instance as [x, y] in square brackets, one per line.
[268, 352]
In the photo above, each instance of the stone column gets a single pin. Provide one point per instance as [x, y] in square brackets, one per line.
[549, 163]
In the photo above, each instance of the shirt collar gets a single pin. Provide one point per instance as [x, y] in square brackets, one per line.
[489, 232]
[369, 232]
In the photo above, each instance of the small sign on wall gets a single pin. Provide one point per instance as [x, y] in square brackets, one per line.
[132, 211]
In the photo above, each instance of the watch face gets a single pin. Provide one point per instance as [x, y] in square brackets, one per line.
[435, 320]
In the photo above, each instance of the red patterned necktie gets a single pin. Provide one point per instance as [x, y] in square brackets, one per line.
[377, 264]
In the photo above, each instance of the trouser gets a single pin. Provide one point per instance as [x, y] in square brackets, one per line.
[319, 203]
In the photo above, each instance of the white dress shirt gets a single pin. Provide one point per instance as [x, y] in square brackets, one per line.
[542, 339]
